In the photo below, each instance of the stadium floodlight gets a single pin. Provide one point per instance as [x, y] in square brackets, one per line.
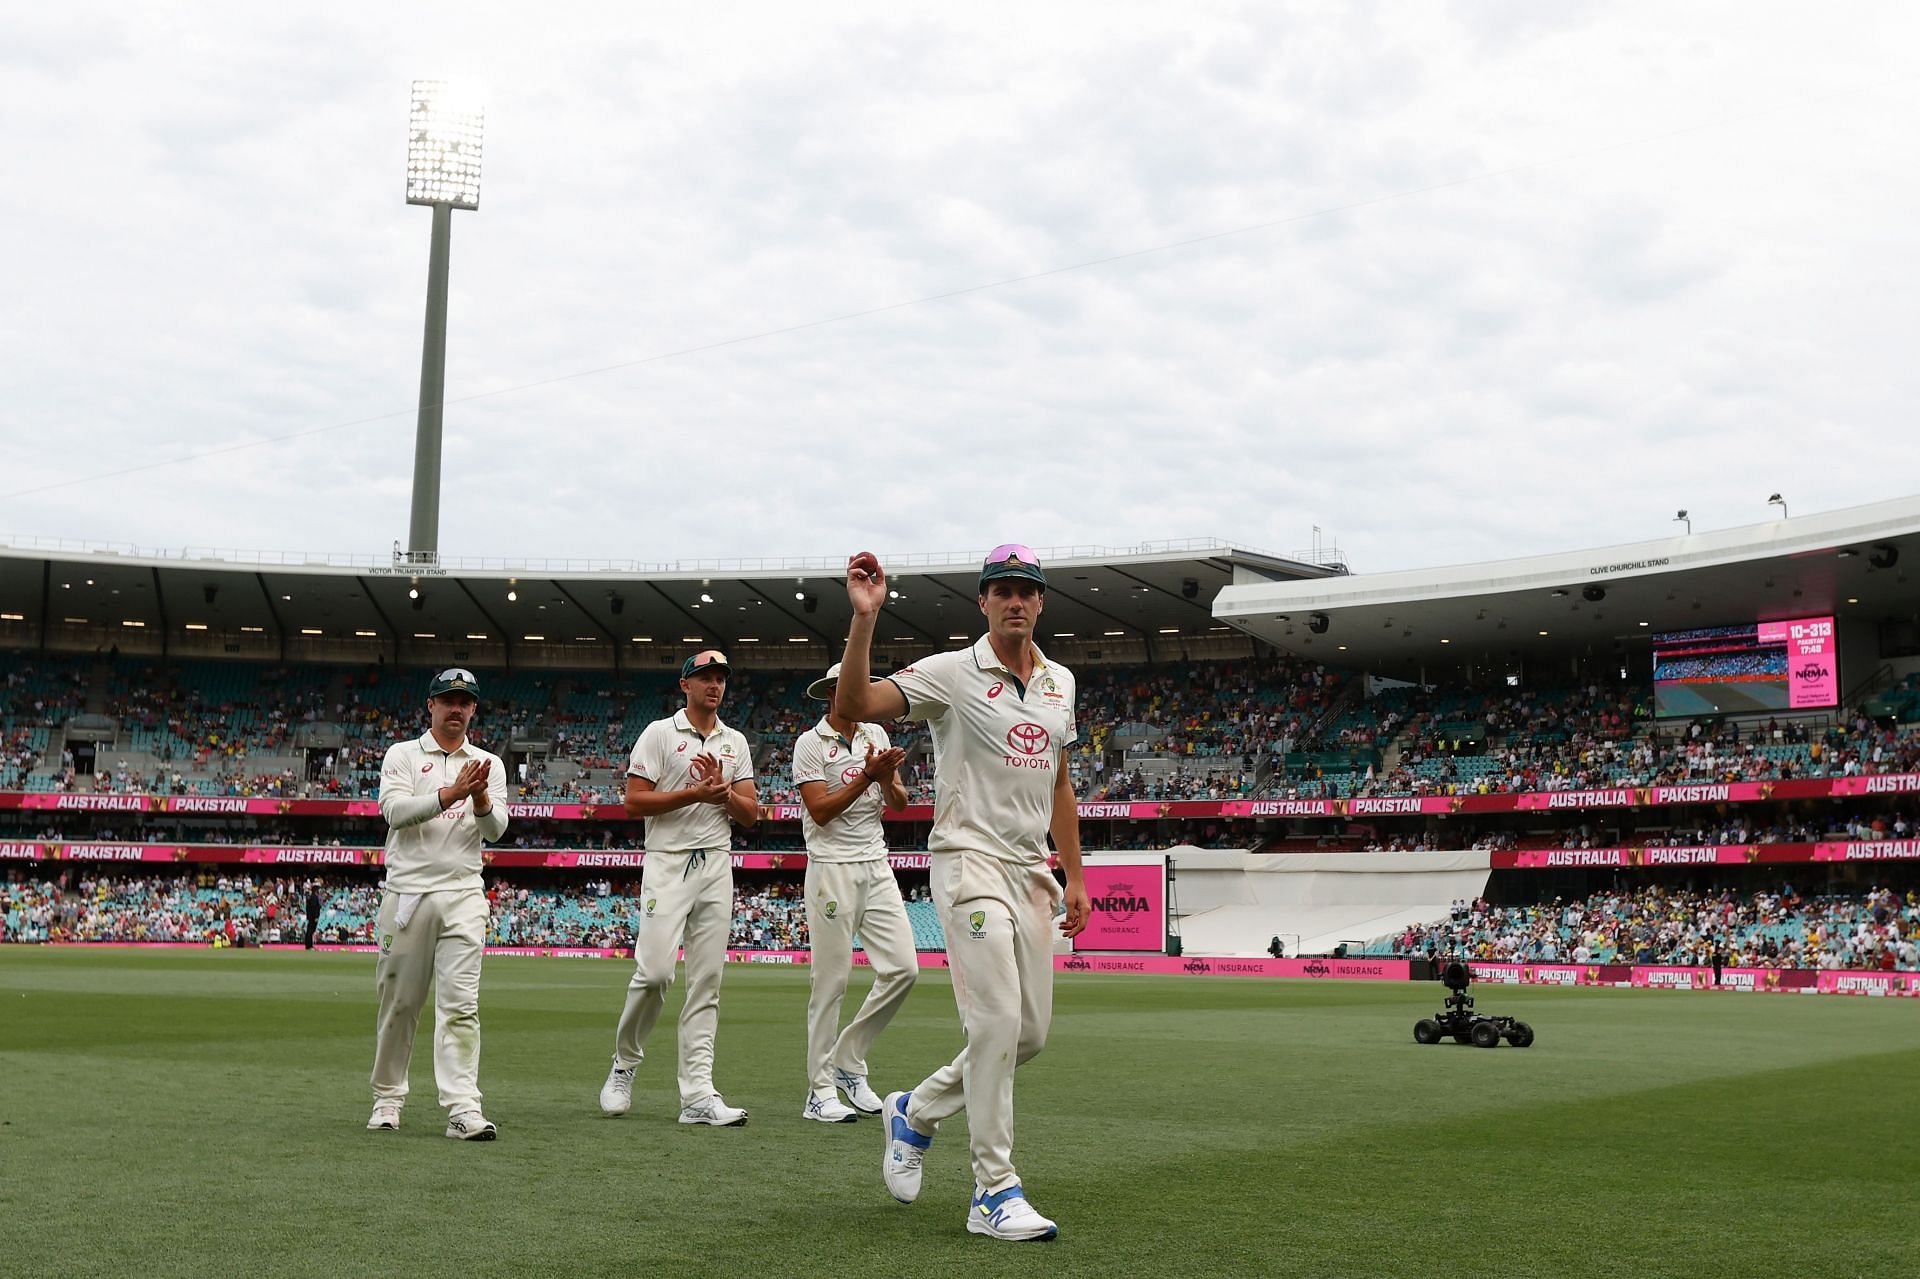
[1680, 517]
[1777, 500]
[444, 131]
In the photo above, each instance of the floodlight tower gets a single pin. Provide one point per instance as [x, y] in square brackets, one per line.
[443, 173]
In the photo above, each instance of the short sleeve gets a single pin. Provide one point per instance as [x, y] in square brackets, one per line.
[742, 760]
[808, 766]
[1073, 713]
[927, 685]
[642, 763]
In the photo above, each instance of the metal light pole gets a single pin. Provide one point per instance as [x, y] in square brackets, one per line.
[443, 172]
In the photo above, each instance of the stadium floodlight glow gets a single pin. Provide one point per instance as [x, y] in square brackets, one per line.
[444, 130]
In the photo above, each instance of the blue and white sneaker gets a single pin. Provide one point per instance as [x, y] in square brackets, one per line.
[859, 1092]
[905, 1149]
[1008, 1215]
[827, 1110]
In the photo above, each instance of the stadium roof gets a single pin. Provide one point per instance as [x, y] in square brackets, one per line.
[1851, 563]
[78, 593]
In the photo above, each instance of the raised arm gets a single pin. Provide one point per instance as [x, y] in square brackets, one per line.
[858, 699]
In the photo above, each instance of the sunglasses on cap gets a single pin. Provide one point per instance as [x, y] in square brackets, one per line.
[1012, 559]
[702, 660]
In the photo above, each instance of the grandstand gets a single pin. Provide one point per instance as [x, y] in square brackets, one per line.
[1261, 715]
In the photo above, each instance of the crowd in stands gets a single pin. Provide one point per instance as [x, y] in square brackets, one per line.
[1737, 665]
[218, 907]
[1181, 783]
[1656, 925]
[1217, 723]
[1209, 730]
[1702, 752]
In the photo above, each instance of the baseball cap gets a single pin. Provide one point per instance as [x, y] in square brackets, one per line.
[1010, 559]
[455, 679]
[819, 688]
[702, 660]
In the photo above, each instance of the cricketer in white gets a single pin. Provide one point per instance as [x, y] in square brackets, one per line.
[443, 799]
[844, 772]
[691, 778]
[1002, 717]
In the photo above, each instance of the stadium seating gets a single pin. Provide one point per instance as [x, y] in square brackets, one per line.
[215, 907]
[1653, 925]
[1276, 727]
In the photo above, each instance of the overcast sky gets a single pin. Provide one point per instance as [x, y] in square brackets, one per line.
[1545, 326]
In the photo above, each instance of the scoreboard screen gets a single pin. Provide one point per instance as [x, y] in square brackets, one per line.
[1787, 665]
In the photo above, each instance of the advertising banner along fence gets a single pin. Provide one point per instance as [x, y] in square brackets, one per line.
[1808, 673]
[1129, 908]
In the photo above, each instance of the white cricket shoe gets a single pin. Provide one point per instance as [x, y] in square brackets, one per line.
[858, 1090]
[471, 1125]
[828, 1110]
[905, 1149]
[616, 1095]
[386, 1117]
[1008, 1215]
[714, 1112]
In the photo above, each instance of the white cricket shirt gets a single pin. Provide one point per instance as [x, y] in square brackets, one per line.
[996, 748]
[664, 755]
[821, 755]
[428, 850]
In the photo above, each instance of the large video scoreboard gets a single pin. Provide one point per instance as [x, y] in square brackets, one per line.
[1762, 666]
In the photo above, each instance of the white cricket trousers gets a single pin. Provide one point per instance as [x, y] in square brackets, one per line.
[845, 898]
[998, 917]
[442, 944]
[683, 896]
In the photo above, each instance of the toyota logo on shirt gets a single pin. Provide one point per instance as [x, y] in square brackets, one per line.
[1028, 738]
[850, 774]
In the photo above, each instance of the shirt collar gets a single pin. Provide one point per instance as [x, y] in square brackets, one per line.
[685, 725]
[987, 660]
[433, 748]
[826, 729]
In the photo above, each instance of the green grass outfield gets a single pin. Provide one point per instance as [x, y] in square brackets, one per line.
[193, 1112]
